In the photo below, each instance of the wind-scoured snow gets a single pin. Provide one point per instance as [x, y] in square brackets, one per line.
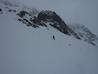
[28, 50]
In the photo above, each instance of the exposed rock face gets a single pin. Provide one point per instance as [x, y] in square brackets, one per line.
[22, 14]
[46, 16]
[57, 22]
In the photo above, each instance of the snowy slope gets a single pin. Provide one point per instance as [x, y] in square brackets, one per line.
[27, 50]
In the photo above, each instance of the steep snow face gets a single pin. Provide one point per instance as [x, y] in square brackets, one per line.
[27, 50]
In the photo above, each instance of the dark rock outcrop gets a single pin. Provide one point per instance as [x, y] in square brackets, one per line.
[22, 13]
[57, 22]
[45, 17]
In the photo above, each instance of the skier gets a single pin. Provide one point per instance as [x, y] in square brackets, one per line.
[1, 11]
[53, 37]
